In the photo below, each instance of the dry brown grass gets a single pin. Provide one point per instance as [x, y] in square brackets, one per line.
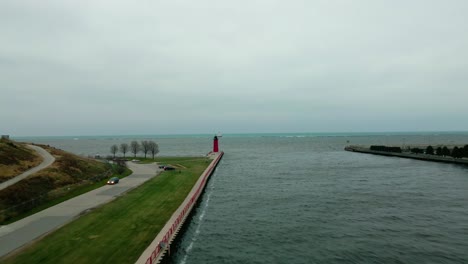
[16, 158]
[68, 170]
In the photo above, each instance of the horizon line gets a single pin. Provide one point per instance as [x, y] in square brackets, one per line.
[244, 133]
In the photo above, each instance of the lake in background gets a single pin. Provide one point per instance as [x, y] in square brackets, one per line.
[299, 198]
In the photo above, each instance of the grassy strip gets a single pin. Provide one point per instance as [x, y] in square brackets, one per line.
[78, 190]
[121, 230]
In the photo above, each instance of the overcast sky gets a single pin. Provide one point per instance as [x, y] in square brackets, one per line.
[172, 66]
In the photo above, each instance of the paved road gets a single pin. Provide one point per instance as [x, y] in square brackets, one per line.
[17, 234]
[48, 160]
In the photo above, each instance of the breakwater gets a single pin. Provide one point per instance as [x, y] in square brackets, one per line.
[161, 245]
[425, 157]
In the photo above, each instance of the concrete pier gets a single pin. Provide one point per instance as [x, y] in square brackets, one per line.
[162, 243]
[425, 157]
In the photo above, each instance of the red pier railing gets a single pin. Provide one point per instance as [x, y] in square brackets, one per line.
[164, 243]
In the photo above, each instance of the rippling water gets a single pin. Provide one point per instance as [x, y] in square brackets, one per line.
[288, 199]
[305, 200]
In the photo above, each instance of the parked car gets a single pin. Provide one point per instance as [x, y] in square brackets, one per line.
[168, 168]
[161, 166]
[113, 180]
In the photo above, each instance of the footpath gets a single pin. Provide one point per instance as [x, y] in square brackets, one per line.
[48, 160]
[26, 230]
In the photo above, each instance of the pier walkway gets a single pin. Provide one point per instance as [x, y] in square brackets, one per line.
[162, 243]
[425, 157]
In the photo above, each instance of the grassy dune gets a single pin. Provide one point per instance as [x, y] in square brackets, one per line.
[68, 176]
[119, 231]
[16, 158]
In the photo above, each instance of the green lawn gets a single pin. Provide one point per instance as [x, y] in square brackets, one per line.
[119, 231]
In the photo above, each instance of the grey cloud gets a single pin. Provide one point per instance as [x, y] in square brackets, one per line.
[237, 65]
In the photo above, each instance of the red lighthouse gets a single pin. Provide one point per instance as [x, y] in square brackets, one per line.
[215, 144]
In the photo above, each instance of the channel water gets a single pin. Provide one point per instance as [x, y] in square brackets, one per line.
[299, 198]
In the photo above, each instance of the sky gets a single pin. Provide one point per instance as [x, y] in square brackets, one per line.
[179, 67]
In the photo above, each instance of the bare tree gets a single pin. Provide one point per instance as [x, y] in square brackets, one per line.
[153, 148]
[145, 147]
[114, 149]
[135, 147]
[124, 148]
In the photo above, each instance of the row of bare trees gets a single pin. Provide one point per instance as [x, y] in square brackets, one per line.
[145, 146]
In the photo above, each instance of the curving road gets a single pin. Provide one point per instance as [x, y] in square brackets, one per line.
[21, 232]
[47, 161]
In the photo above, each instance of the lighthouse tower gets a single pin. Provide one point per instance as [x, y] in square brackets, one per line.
[215, 144]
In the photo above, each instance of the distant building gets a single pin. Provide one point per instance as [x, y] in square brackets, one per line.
[5, 136]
